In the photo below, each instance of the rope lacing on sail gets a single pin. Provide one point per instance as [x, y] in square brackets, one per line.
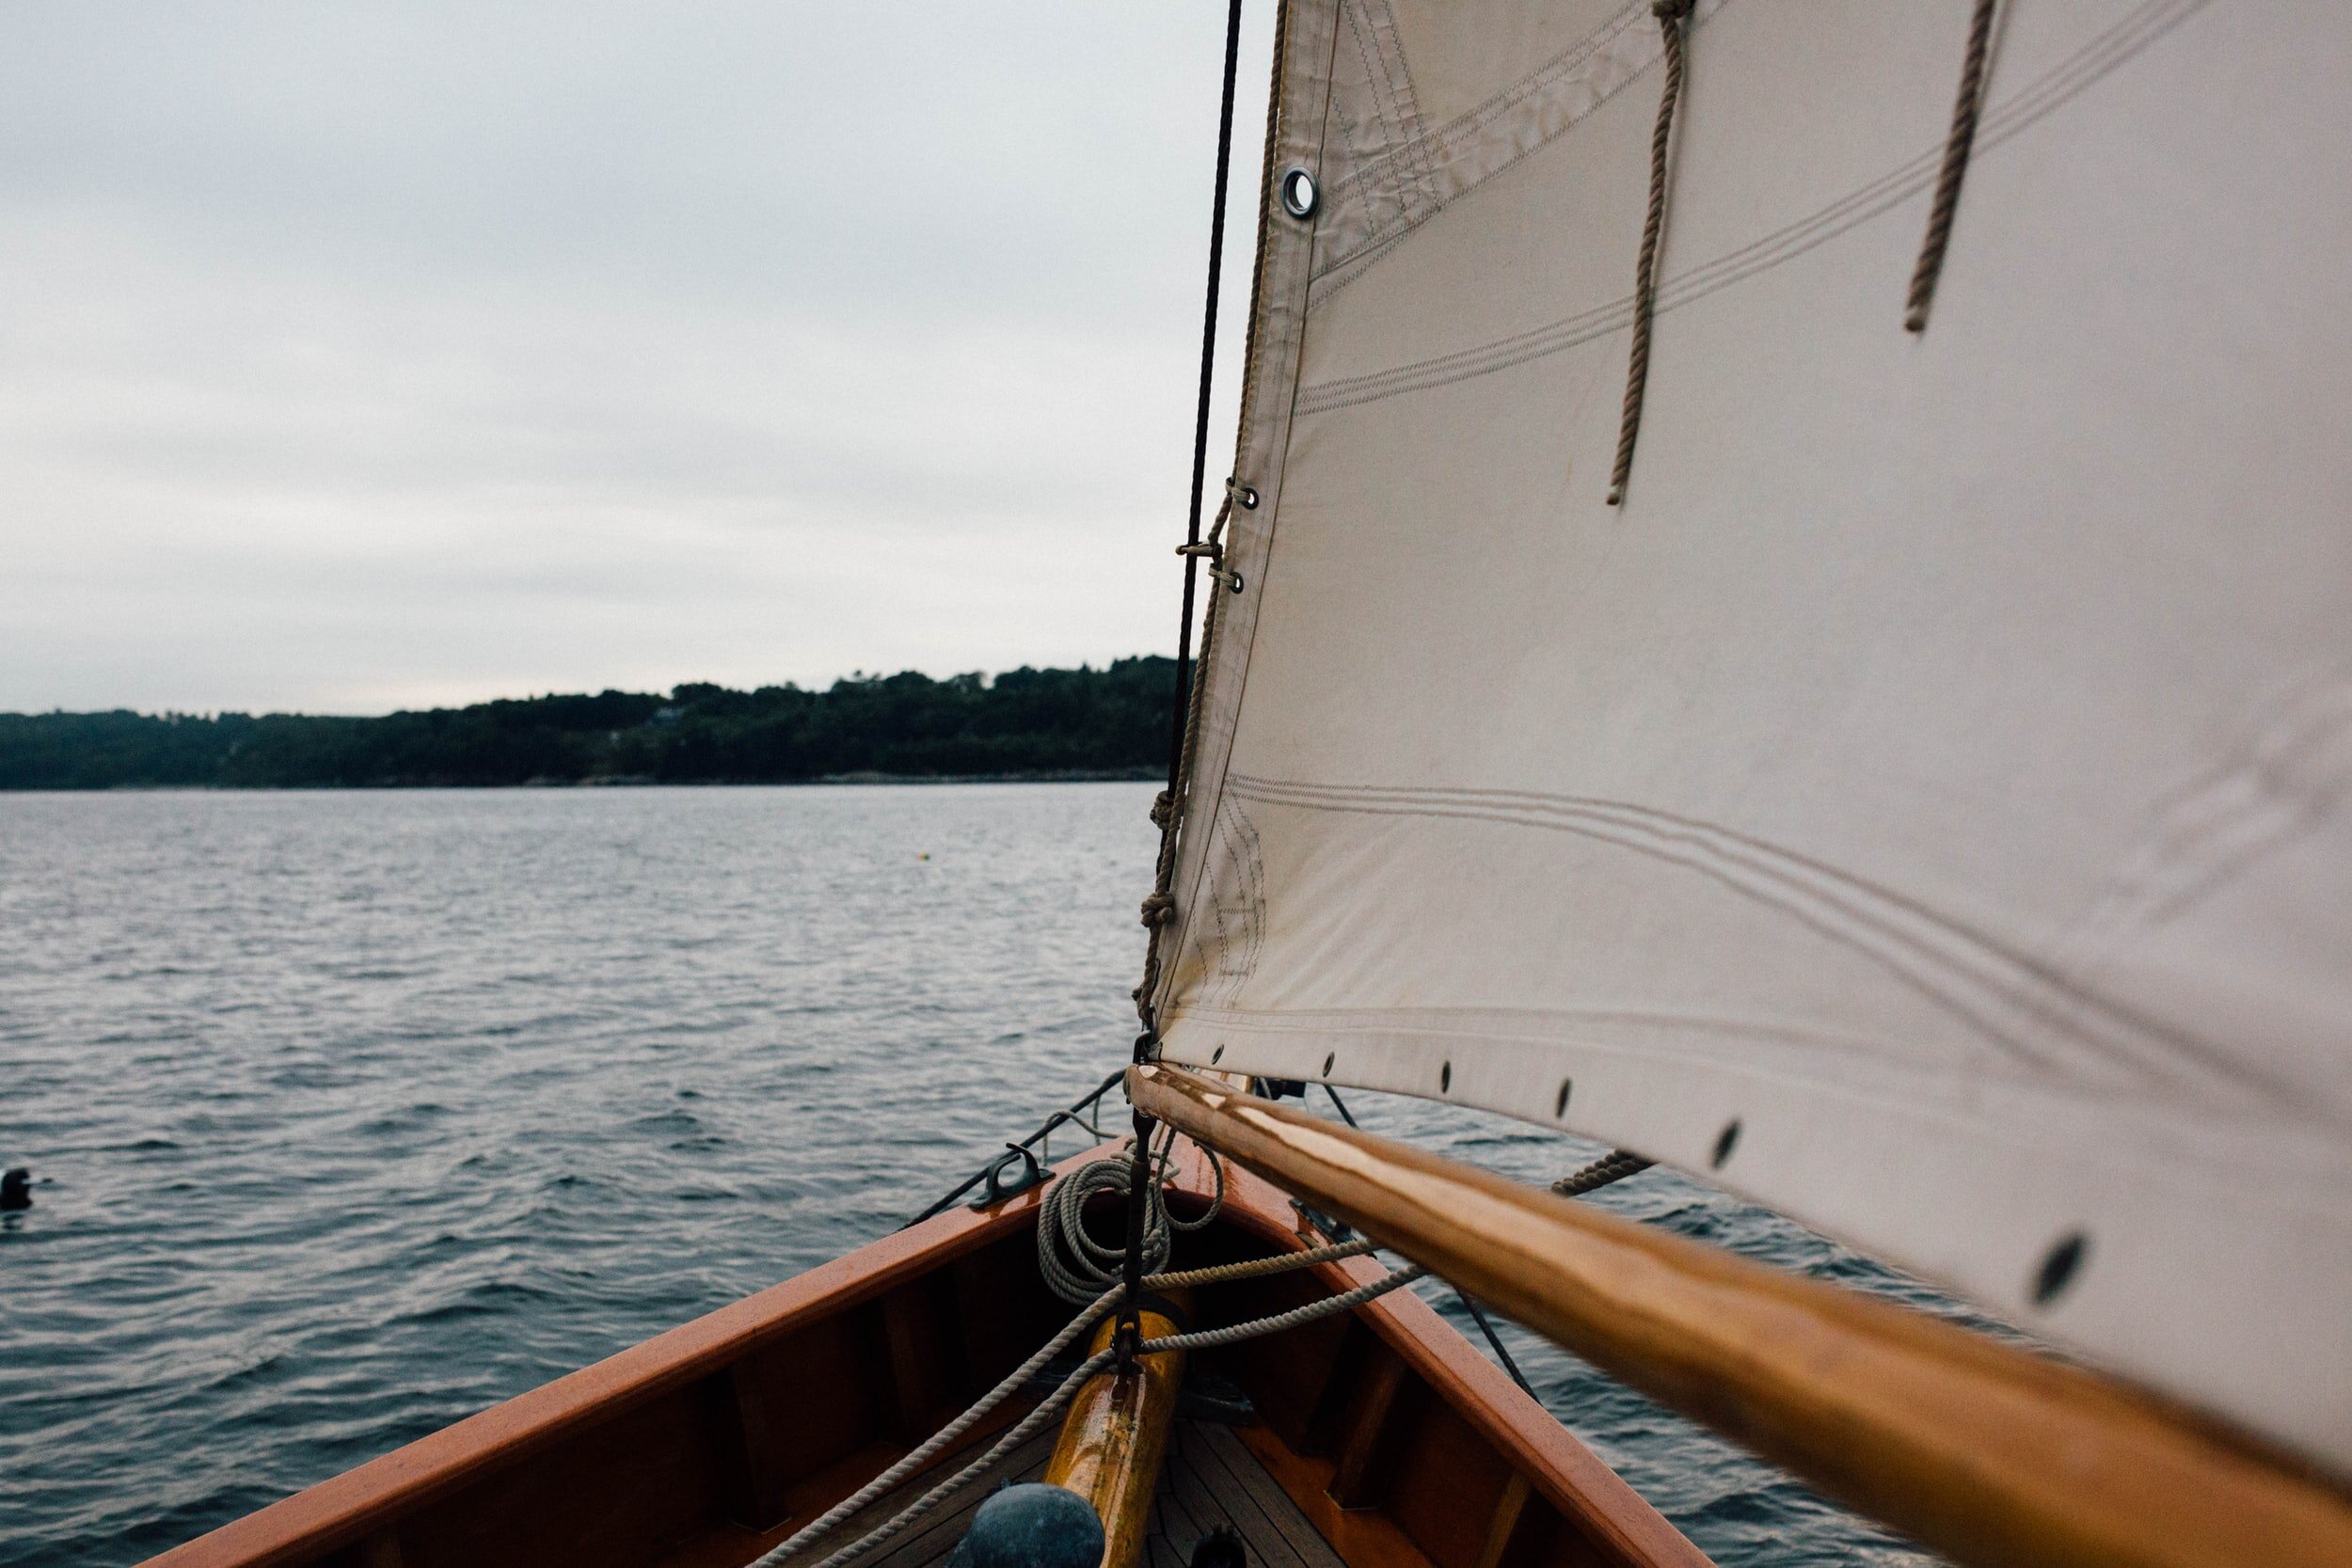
[1956, 149]
[1671, 14]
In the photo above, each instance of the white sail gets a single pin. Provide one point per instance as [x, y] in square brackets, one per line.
[1922, 805]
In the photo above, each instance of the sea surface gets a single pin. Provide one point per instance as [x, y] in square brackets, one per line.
[354, 1113]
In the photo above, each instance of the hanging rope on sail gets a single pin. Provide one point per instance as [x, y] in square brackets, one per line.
[1957, 146]
[1613, 1166]
[1672, 16]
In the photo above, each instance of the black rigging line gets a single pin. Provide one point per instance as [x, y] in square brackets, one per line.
[1201, 422]
[1130, 1323]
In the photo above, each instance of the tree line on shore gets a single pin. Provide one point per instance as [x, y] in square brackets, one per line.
[1025, 724]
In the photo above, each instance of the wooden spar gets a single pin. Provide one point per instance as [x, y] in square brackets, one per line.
[1976, 1449]
[1115, 1435]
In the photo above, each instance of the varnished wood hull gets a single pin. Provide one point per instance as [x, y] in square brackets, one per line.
[702, 1447]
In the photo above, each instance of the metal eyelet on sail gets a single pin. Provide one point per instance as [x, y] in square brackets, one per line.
[1300, 196]
[1956, 149]
[1672, 16]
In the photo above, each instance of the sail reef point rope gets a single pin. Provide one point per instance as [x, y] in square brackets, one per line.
[1956, 149]
[1672, 15]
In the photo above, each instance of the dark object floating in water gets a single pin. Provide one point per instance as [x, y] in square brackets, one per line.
[16, 1189]
[1032, 1526]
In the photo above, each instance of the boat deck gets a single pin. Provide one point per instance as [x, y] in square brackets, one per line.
[1210, 1479]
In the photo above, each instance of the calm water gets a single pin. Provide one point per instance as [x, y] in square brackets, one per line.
[354, 1113]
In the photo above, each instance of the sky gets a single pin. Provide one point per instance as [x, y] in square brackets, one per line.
[366, 356]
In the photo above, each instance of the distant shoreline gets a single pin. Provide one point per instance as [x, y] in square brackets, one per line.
[1022, 726]
[1081, 775]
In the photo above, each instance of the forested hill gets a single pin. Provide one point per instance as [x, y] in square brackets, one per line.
[1025, 724]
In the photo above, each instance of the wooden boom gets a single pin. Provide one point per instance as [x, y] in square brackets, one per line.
[1978, 1449]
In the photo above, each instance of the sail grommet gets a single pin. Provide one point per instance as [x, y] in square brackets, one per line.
[1243, 496]
[1328, 1060]
[1725, 1141]
[1300, 195]
[1560, 1105]
[2058, 1267]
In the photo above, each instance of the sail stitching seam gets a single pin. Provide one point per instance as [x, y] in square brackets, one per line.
[1397, 129]
[1577, 70]
[1833, 903]
[1466, 127]
[2054, 89]
[1420, 172]
[1249, 852]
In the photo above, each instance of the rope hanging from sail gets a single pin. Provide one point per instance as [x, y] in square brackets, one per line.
[1613, 1166]
[1672, 16]
[1957, 146]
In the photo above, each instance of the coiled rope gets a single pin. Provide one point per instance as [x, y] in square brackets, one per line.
[1050, 1405]
[1089, 1276]
[1079, 1268]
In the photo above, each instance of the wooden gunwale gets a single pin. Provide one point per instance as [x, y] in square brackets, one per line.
[1978, 1449]
[347, 1508]
[494, 1469]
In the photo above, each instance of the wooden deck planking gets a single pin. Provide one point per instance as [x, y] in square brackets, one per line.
[1210, 1480]
[1258, 1507]
[930, 1540]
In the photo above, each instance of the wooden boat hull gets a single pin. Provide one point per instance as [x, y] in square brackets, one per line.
[701, 1448]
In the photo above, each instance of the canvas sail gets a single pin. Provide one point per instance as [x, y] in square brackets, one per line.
[1921, 806]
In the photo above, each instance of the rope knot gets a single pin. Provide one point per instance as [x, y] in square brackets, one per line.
[1163, 809]
[1157, 907]
[1670, 11]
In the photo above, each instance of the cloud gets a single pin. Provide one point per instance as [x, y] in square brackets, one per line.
[369, 356]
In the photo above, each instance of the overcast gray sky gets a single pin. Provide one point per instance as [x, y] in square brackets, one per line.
[362, 356]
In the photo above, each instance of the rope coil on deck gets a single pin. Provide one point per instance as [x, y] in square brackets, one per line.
[1079, 1268]
[1095, 1310]
[1051, 1407]
[1060, 1224]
